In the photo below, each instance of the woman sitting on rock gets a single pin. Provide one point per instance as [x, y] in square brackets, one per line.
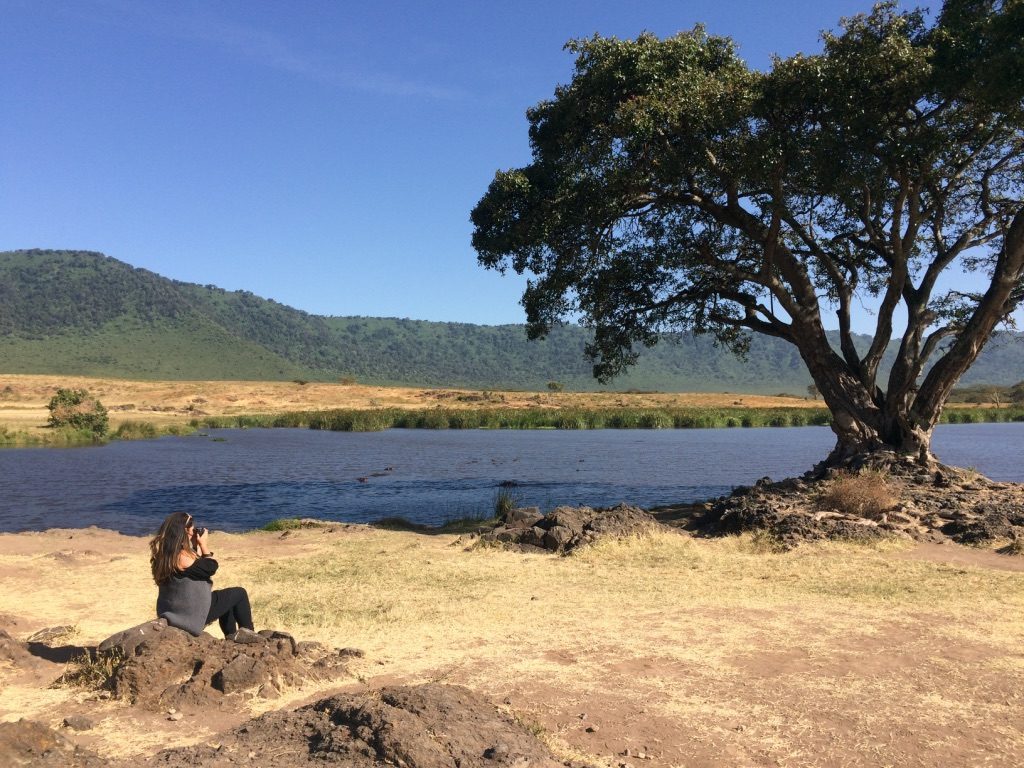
[183, 567]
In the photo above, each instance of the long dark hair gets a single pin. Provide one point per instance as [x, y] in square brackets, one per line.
[165, 547]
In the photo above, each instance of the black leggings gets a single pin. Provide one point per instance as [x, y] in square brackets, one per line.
[231, 607]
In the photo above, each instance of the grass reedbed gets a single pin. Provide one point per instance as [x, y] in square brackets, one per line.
[372, 420]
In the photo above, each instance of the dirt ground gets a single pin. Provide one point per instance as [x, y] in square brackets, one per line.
[660, 651]
[23, 398]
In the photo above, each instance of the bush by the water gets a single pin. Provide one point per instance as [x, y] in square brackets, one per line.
[867, 494]
[76, 409]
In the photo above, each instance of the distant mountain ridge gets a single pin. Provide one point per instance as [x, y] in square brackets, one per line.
[80, 312]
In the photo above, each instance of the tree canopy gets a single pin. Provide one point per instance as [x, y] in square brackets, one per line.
[675, 188]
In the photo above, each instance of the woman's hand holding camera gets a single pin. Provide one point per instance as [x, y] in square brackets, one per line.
[199, 536]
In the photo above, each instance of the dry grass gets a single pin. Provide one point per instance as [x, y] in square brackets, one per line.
[702, 652]
[866, 494]
[162, 402]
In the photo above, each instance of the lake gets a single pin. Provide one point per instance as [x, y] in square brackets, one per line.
[241, 479]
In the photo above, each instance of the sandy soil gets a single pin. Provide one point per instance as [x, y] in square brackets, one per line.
[23, 398]
[687, 651]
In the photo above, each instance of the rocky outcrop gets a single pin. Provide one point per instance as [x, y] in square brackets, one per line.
[951, 505]
[426, 726]
[156, 666]
[28, 743]
[567, 528]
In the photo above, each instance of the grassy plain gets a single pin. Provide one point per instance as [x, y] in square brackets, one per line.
[140, 409]
[694, 652]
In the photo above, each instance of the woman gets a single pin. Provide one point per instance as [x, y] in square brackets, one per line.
[183, 567]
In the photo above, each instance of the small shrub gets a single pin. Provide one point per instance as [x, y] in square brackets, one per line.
[504, 503]
[347, 381]
[94, 673]
[74, 408]
[866, 495]
[555, 386]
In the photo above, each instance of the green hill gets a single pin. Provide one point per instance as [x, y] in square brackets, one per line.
[75, 312]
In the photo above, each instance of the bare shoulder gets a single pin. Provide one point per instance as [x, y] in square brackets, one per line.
[185, 559]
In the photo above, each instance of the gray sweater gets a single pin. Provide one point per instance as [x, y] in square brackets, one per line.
[184, 600]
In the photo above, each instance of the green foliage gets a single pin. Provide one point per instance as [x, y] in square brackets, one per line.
[674, 189]
[504, 502]
[75, 409]
[183, 333]
[135, 430]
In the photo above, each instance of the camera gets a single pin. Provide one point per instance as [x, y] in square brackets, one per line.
[200, 532]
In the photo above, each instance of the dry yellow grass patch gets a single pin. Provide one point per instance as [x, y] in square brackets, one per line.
[696, 652]
[23, 406]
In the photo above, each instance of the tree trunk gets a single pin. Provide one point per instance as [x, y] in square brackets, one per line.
[865, 423]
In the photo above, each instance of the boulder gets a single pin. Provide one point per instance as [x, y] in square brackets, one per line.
[171, 668]
[28, 743]
[566, 528]
[556, 537]
[127, 640]
[523, 517]
[241, 673]
[50, 634]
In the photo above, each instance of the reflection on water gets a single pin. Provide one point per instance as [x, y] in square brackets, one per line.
[244, 478]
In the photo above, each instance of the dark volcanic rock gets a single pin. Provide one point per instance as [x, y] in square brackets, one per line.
[567, 528]
[427, 726]
[170, 667]
[963, 507]
[127, 640]
[13, 651]
[28, 743]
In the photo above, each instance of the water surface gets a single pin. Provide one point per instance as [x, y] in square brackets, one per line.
[241, 479]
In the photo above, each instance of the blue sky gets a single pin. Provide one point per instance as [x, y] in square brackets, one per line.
[323, 154]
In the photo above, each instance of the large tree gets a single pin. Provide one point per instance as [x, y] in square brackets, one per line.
[674, 188]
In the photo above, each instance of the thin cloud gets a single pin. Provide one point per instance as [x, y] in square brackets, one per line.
[268, 50]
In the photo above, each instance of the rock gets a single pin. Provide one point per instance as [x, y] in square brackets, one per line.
[523, 517]
[248, 637]
[175, 716]
[497, 752]
[28, 743]
[507, 535]
[274, 636]
[127, 640]
[533, 537]
[79, 723]
[556, 537]
[426, 726]
[13, 650]
[51, 634]
[173, 668]
[240, 674]
[566, 528]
